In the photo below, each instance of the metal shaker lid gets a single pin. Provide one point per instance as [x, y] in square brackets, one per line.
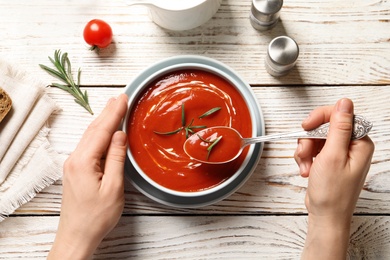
[266, 11]
[283, 50]
[282, 54]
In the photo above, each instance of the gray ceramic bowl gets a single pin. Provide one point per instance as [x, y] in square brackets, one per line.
[174, 198]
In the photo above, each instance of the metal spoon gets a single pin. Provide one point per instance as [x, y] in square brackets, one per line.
[361, 128]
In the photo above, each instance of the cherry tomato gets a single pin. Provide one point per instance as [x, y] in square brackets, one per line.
[98, 34]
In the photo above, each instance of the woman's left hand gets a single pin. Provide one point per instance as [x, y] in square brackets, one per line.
[93, 193]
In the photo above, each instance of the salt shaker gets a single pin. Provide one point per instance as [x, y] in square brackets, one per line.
[265, 13]
[282, 54]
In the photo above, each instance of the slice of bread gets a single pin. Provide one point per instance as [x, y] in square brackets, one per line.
[5, 104]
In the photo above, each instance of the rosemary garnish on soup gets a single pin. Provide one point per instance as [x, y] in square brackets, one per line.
[211, 111]
[211, 146]
[189, 129]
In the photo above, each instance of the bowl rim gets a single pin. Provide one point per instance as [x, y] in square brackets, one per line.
[133, 90]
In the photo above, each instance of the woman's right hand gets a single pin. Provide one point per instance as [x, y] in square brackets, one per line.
[336, 169]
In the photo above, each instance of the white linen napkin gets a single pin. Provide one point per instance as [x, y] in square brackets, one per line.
[28, 164]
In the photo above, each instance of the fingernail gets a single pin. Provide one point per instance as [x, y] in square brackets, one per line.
[345, 106]
[119, 138]
[302, 168]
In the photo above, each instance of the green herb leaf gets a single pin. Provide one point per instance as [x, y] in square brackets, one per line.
[63, 87]
[204, 140]
[169, 133]
[211, 111]
[86, 96]
[212, 146]
[190, 124]
[52, 72]
[214, 143]
[197, 126]
[78, 77]
[183, 115]
[63, 72]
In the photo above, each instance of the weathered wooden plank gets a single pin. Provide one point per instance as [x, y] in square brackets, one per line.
[341, 42]
[196, 237]
[275, 186]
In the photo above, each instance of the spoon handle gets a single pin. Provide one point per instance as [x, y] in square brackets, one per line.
[361, 128]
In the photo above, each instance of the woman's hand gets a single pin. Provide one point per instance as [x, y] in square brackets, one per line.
[336, 177]
[93, 193]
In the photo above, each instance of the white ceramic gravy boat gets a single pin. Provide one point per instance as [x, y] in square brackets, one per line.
[178, 15]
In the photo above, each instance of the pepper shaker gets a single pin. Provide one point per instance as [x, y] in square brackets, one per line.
[282, 54]
[265, 13]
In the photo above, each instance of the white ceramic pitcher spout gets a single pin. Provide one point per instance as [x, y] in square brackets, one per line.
[179, 15]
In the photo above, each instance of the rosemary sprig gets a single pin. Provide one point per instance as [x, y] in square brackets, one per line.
[204, 140]
[183, 115]
[188, 129]
[211, 111]
[212, 146]
[63, 71]
[169, 133]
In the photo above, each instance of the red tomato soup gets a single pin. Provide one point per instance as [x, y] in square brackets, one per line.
[169, 111]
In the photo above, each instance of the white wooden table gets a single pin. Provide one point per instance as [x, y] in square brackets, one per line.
[345, 52]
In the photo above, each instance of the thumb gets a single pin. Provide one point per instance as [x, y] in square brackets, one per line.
[341, 127]
[115, 158]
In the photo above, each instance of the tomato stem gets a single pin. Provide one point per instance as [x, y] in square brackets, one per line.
[95, 48]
